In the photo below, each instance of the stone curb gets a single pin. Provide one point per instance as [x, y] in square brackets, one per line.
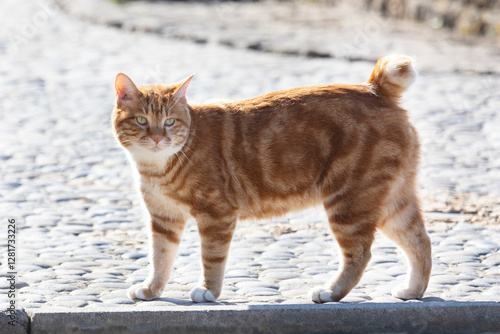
[18, 325]
[436, 317]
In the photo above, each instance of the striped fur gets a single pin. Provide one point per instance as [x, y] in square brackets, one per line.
[350, 147]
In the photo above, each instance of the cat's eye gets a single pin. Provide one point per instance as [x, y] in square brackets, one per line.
[141, 120]
[169, 122]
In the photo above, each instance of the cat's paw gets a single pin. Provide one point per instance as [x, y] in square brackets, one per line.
[139, 291]
[405, 293]
[320, 295]
[201, 295]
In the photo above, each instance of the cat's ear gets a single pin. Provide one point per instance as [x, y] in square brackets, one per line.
[125, 88]
[180, 93]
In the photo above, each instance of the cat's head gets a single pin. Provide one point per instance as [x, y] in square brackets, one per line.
[151, 121]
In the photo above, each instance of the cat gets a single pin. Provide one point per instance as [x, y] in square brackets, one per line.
[351, 148]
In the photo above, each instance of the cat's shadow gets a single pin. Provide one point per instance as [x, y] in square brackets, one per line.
[188, 302]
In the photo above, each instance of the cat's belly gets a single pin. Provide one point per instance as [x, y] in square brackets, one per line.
[277, 206]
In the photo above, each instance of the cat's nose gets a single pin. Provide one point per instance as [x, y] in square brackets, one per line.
[157, 139]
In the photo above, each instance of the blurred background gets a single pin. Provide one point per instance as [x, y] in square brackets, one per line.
[353, 30]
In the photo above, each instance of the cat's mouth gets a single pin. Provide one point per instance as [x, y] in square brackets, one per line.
[155, 149]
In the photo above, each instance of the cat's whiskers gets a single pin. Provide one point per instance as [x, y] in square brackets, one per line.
[170, 160]
[192, 133]
[180, 160]
[185, 156]
[185, 147]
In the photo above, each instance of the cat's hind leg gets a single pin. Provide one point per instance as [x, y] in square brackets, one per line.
[405, 226]
[216, 236]
[354, 231]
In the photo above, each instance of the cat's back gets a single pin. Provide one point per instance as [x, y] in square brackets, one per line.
[303, 95]
[359, 102]
[347, 108]
[329, 112]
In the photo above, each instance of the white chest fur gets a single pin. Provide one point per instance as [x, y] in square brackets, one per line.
[158, 202]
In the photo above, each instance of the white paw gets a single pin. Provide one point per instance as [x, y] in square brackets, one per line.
[139, 291]
[402, 292]
[201, 295]
[320, 295]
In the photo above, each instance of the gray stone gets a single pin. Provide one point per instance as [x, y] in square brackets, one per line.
[120, 301]
[240, 273]
[158, 303]
[383, 258]
[27, 267]
[32, 298]
[459, 258]
[5, 285]
[276, 255]
[278, 265]
[375, 277]
[122, 293]
[128, 267]
[308, 264]
[58, 287]
[248, 284]
[98, 286]
[479, 283]
[352, 299]
[76, 229]
[274, 276]
[41, 221]
[493, 291]
[20, 324]
[258, 291]
[69, 304]
[494, 272]
[134, 256]
[477, 251]
[100, 275]
[136, 279]
[466, 287]
[71, 298]
[38, 291]
[185, 279]
[493, 260]
[84, 292]
[76, 265]
[70, 272]
[103, 306]
[108, 280]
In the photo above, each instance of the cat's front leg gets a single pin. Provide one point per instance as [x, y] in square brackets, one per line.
[166, 236]
[216, 235]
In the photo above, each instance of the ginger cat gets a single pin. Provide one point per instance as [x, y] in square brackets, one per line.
[350, 147]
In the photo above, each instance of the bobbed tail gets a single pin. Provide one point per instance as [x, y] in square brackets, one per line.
[392, 75]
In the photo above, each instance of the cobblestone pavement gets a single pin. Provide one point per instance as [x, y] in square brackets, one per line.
[341, 29]
[81, 240]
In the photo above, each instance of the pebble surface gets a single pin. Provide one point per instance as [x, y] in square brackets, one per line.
[81, 239]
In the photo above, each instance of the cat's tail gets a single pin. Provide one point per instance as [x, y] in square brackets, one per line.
[392, 75]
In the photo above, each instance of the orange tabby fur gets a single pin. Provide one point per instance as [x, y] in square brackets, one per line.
[350, 147]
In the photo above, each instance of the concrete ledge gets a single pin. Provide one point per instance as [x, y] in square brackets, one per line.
[18, 324]
[435, 317]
